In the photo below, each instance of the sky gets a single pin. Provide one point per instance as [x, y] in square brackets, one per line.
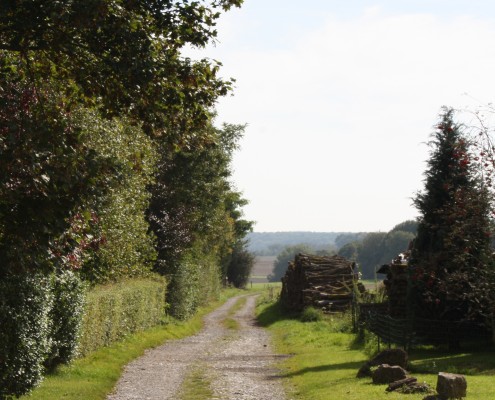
[340, 99]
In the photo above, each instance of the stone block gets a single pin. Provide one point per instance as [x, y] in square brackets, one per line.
[385, 374]
[451, 386]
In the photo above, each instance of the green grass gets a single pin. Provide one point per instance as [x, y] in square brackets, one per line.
[325, 358]
[94, 376]
[229, 322]
[261, 286]
[196, 386]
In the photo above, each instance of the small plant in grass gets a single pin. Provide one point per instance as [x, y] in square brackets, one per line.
[311, 314]
[342, 323]
[367, 341]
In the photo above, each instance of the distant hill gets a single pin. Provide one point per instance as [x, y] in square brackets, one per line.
[272, 243]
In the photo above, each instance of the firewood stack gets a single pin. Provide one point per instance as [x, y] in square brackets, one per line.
[396, 289]
[396, 285]
[322, 282]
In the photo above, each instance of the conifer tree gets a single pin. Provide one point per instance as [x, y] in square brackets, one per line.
[451, 261]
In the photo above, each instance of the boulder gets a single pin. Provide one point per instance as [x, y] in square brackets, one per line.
[364, 371]
[385, 374]
[451, 386]
[388, 356]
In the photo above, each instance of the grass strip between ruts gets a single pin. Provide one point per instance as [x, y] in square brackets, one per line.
[94, 376]
[196, 385]
[229, 322]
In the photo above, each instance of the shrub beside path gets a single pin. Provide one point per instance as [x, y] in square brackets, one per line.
[236, 364]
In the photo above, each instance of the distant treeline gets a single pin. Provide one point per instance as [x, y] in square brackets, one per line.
[368, 249]
[272, 243]
[377, 248]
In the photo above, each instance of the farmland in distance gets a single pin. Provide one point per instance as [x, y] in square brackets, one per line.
[263, 266]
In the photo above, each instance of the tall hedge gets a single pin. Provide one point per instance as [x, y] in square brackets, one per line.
[66, 314]
[114, 311]
[25, 326]
[126, 247]
[40, 319]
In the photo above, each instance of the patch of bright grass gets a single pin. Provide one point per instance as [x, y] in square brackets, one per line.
[263, 286]
[325, 358]
[311, 314]
[94, 376]
[231, 324]
[196, 386]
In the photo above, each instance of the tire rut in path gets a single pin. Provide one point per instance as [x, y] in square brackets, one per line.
[238, 363]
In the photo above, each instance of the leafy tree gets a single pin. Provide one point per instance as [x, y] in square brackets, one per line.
[237, 261]
[378, 248]
[240, 265]
[69, 196]
[125, 55]
[452, 260]
[350, 250]
[194, 210]
[394, 243]
[410, 226]
[346, 238]
[286, 255]
[371, 253]
[47, 173]
[127, 247]
[191, 190]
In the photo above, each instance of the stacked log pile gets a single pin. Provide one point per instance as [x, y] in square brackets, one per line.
[323, 282]
[396, 285]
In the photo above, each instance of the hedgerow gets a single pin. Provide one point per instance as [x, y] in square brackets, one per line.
[25, 326]
[114, 311]
[65, 317]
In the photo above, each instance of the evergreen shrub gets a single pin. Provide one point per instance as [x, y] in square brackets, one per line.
[195, 282]
[25, 304]
[114, 311]
[184, 290]
[66, 317]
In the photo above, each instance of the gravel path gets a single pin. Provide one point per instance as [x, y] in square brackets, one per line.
[237, 363]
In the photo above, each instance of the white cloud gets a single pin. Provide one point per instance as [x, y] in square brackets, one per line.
[336, 120]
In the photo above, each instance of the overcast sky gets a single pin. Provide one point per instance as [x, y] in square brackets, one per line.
[340, 98]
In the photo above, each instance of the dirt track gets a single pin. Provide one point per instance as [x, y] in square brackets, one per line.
[237, 364]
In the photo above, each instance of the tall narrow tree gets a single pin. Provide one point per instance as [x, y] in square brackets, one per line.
[452, 260]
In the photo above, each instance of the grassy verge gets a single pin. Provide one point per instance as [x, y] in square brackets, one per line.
[326, 357]
[94, 376]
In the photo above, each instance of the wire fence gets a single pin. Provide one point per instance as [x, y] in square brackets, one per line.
[409, 332]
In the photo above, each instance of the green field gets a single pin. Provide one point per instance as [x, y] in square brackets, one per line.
[325, 357]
